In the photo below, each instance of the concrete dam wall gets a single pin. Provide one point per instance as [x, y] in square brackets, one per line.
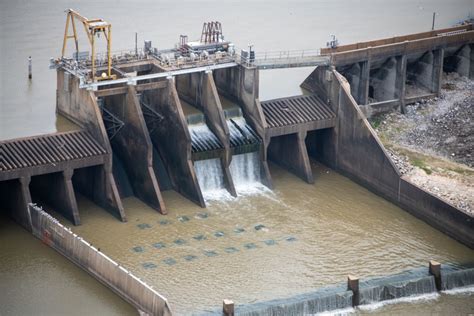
[353, 149]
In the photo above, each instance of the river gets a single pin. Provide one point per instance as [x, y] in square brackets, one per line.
[294, 239]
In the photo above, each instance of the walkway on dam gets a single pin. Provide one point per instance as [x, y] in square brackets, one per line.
[291, 115]
[48, 153]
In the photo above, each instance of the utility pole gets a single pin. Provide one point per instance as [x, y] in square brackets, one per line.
[30, 75]
[434, 17]
[136, 44]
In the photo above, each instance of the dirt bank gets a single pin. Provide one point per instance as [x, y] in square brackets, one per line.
[433, 143]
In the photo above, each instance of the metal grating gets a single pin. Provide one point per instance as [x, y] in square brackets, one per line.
[203, 139]
[241, 133]
[47, 149]
[295, 110]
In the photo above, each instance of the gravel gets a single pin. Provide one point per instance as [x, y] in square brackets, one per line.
[442, 128]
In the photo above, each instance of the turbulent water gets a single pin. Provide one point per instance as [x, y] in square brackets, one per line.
[211, 179]
[253, 248]
[245, 171]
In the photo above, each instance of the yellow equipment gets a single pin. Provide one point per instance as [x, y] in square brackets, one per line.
[92, 27]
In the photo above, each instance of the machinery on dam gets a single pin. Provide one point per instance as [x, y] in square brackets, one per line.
[152, 119]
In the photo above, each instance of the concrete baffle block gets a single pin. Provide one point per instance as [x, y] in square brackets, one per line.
[353, 285]
[228, 307]
[435, 270]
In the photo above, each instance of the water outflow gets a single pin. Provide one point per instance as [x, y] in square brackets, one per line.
[453, 278]
[321, 300]
[410, 283]
[211, 178]
[245, 171]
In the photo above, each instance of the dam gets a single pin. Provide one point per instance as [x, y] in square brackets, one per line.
[164, 134]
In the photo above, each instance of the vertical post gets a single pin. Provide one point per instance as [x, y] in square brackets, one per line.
[93, 55]
[30, 75]
[435, 270]
[363, 95]
[109, 58]
[401, 81]
[353, 285]
[228, 308]
[433, 24]
[438, 57]
[136, 44]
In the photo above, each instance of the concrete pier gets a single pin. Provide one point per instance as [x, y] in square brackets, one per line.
[133, 146]
[172, 140]
[388, 73]
[199, 89]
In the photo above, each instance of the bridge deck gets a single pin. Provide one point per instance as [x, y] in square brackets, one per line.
[48, 153]
[290, 115]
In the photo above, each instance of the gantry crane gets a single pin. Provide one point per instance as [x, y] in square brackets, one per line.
[92, 27]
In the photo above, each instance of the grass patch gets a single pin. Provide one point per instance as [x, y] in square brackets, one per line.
[417, 162]
[376, 121]
[430, 163]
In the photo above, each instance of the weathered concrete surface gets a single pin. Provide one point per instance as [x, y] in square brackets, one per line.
[290, 152]
[353, 149]
[57, 191]
[46, 228]
[172, 140]
[397, 39]
[241, 85]
[462, 61]
[80, 106]
[15, 197]
[200, 90]
[133, 145]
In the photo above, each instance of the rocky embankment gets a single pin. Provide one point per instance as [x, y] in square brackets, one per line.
[433, 143]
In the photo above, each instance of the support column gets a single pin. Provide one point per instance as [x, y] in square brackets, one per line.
[471, 62]
[290, 152]
[70, 202]
[172, 140]
[363, 93]
[56, 189]
[438, 58]
[212, 107]
[14, 199]
[401, 81]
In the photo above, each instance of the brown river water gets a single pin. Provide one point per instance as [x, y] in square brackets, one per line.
[260, 246]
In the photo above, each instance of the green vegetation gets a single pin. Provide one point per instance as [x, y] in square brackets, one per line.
[421, 164]
[376, 121]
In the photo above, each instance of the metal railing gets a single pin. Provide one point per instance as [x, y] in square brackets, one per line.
[278, 57]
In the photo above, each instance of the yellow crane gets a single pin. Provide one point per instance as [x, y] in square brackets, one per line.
[93, 28]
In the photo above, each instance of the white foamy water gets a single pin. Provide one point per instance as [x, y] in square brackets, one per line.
[461, 290]
[408, 299]
[211, 179]
[245, 171]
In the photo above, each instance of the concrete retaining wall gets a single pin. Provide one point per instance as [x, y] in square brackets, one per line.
[354, 149]
[101, 267]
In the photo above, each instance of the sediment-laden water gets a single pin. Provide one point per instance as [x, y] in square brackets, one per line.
[266, 245]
